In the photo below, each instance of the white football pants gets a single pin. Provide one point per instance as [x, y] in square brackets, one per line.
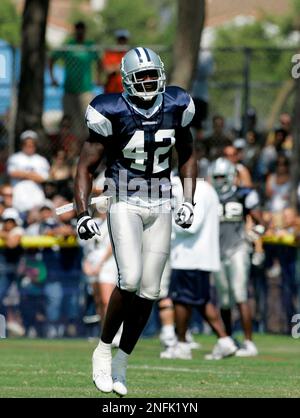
[232, 280]
[140, 238]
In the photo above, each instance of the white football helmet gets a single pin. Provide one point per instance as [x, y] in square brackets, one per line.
[137, 63]
[222, 174]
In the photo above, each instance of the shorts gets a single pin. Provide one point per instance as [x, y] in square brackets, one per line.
[190, 287]
[108, 274]
[201, 113]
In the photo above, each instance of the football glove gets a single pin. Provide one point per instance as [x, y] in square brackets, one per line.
[185, 215]
[255, 233]
[86, 226]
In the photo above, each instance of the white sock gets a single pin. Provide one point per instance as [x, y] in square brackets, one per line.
[224, 340]
[104, 348]
[168, 330]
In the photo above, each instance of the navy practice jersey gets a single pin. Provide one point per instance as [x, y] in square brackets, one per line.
[233, 209]
[137, 141]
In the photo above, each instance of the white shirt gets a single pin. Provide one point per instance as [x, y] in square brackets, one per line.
[23, 189]
[30, 163]
[197, 248]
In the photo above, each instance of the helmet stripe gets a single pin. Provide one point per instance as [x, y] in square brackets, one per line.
[147, 54]
[138, 54]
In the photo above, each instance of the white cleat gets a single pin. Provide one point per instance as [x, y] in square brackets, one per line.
[102, 371]
[190, 339]
[168, 340]
[225, 347]
[119, 378]
[181, 350]
[248, 349]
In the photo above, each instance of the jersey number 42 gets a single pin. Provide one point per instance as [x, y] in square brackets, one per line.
[135, 150]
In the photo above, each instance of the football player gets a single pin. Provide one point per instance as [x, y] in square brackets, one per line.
[136, 130]
[232, 279]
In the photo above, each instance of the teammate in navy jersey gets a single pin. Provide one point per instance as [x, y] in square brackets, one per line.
[136, 131]
[232, 279]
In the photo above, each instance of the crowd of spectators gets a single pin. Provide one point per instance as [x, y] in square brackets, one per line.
[43, 287]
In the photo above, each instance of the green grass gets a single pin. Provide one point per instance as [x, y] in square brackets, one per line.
[62, 368]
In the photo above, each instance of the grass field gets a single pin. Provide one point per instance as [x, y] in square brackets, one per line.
[62, 368]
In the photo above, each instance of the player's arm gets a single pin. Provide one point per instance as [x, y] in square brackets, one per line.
[187, 164]
[90, 157]
[187, 167]
[252, 206]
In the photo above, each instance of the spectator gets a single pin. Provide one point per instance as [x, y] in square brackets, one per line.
[278, 185]
[285, 228]
[191, 263]
[60, 169]
[218, 139]
[100, 268]
[78, 58]
[285, 126]
[251, 126]
[65, 138]
[70, 274]
[251, 154]
[53, 289]
[199, 91]
[111, 61]
[233, 154]
[11, 233]
[271, 151]
[6, 193]
[27, 171]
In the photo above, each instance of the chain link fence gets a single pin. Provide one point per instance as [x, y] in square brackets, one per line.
[242, 78]
[257, 78]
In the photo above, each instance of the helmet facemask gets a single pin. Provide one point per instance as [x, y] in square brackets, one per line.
[222, 173]
[144, 79]
[222, 183]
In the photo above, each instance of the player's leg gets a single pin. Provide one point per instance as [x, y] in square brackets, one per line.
[225, 345]
[125, 228]
[227, 320]
[105, 290]
[156, 246]
[185, 292]
[167, 334]
[182, 349]
[239, 274]
[224, 295]
[96, 299]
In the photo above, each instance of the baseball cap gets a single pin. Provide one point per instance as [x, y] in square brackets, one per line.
[11, 214]
[239, 143]
[122, 33]
[28, 134]
[47, 204]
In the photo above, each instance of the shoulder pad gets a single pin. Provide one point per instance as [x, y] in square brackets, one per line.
[100, 111]
[184, 101]
[251, 198]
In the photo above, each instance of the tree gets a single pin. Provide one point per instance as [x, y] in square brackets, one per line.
[31, 88]
[9, 23]
[190, 21]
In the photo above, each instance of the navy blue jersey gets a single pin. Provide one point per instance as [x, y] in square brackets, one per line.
[137, 141]
[233, 210]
